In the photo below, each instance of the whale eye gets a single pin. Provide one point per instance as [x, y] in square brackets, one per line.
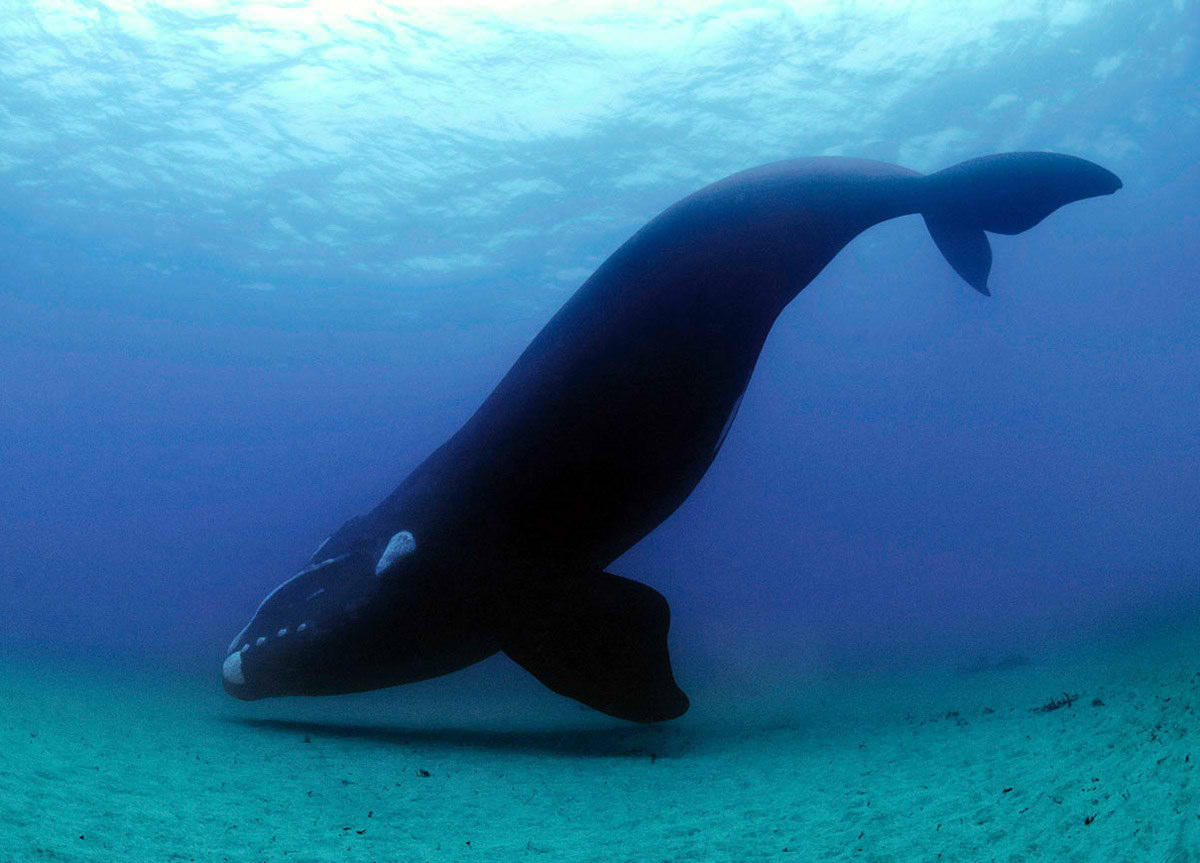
[403, 543]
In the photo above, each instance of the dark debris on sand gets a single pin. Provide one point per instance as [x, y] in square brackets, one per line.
[1055, 703]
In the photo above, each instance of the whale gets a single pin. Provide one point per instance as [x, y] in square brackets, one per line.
[501, 539]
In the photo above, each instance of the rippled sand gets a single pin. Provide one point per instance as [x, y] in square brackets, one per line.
[134, 765]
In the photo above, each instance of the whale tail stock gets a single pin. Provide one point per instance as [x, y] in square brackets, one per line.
[600, 639]
[1006, 194]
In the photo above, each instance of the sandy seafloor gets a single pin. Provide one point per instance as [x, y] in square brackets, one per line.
[98, 764]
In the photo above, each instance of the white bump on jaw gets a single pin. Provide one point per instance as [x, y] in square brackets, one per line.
[398, 546]
[281, 633]
[260, 641]
[231, 669]
[302, 627]
[245, 647]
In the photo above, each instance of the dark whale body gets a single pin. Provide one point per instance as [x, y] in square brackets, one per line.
[603, 426]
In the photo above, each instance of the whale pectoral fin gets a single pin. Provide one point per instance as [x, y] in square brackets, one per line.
[600, 639]
[966, 248]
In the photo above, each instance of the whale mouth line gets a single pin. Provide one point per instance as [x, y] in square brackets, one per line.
[277, 591]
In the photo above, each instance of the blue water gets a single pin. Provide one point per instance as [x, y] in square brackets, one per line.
[259, 260]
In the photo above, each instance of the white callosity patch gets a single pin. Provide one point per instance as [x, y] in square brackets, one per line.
[403, 543]
[231, 669]
[259, 642]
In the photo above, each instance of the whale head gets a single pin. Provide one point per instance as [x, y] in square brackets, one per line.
[367, 618]
[307, 633]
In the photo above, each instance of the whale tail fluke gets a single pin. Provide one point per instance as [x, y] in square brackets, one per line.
[600, 639]
[1005, 194]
